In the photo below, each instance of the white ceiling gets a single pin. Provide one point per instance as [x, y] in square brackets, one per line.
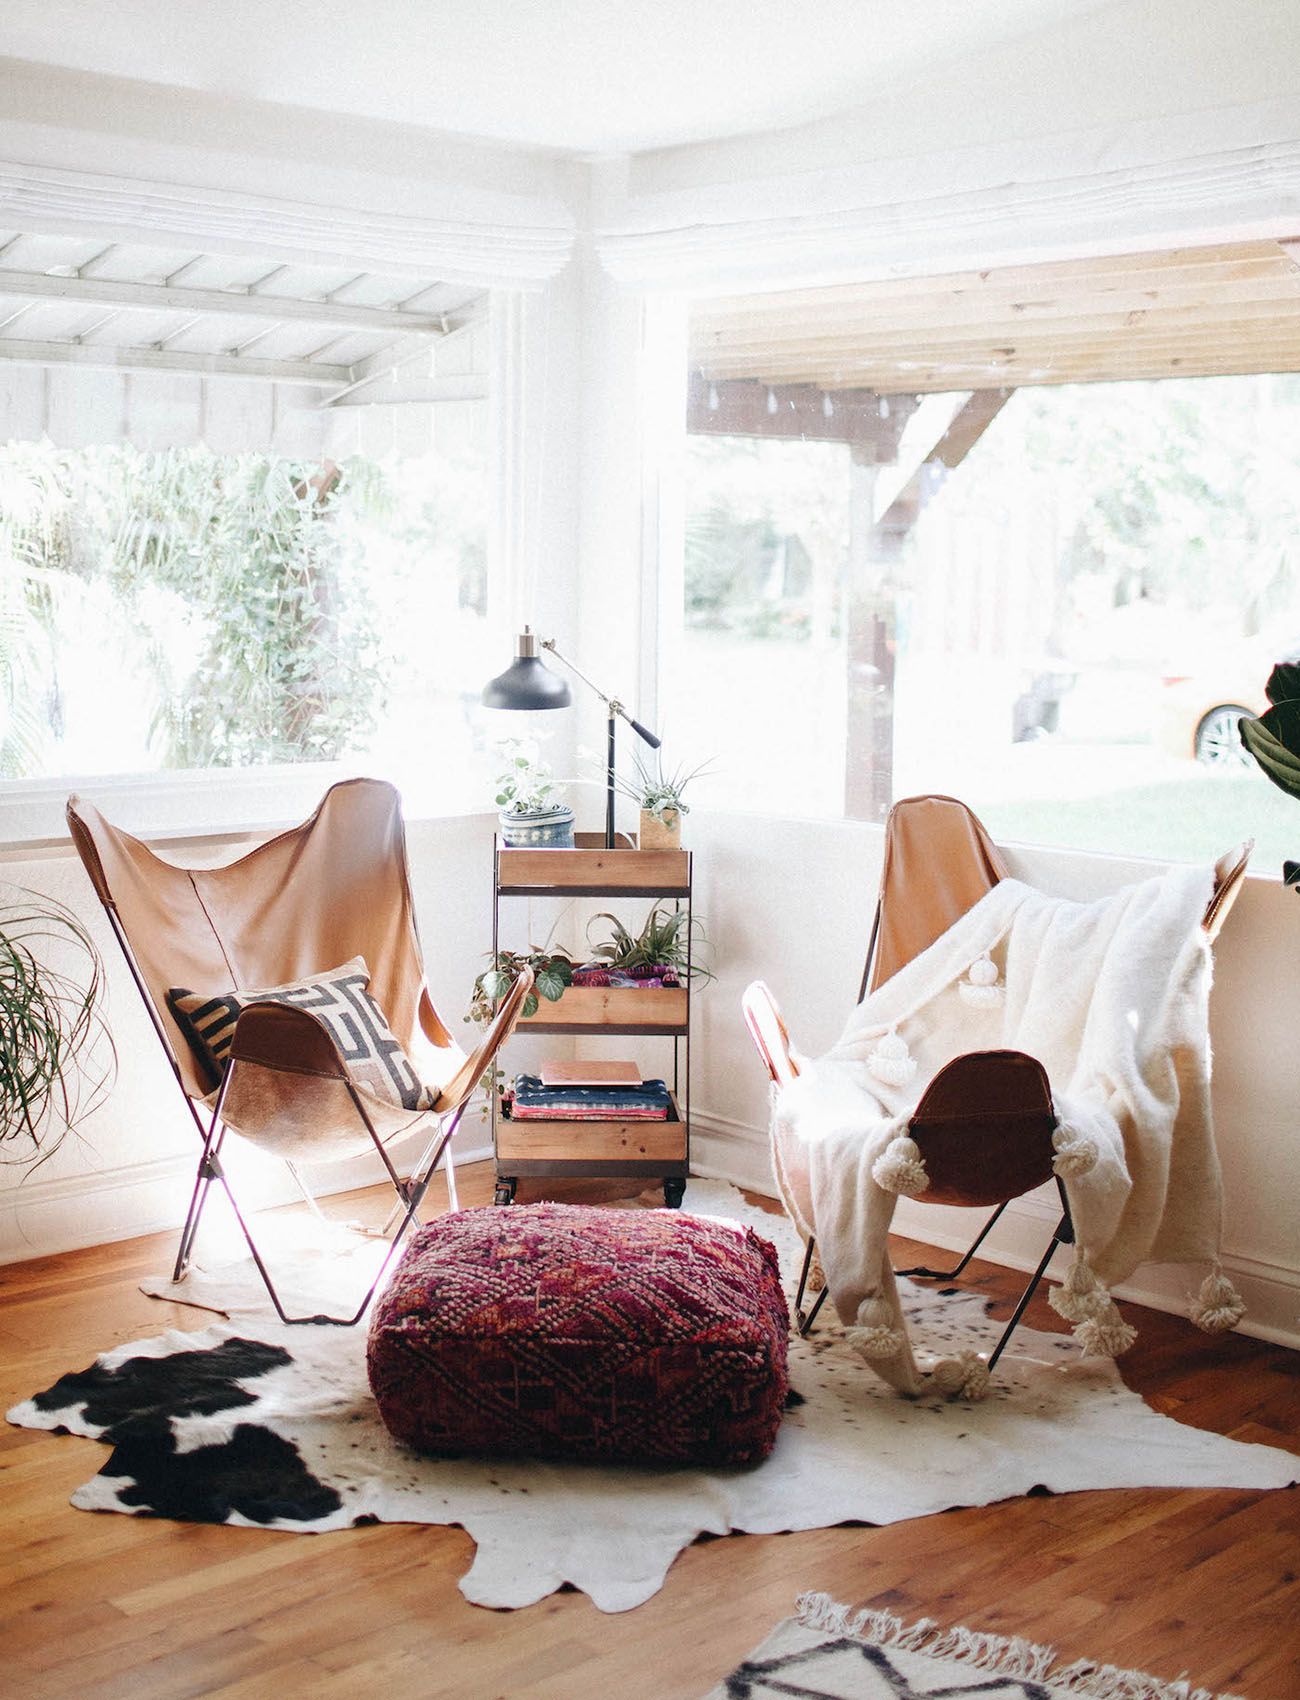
[584, 75]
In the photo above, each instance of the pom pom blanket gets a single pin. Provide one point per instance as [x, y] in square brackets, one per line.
[1112, 998]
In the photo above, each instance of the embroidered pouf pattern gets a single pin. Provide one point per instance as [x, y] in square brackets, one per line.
[562, 1331]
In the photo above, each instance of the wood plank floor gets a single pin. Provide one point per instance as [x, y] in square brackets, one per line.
[1166, 1581]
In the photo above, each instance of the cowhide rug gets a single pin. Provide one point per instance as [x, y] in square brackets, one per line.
[254, 1424]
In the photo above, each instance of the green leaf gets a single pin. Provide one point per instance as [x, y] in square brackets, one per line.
[530, 1006]
[550, 985]
[1283, 683]
[1274, 740]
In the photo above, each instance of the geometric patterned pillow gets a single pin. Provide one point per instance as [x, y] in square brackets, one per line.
[340, 997]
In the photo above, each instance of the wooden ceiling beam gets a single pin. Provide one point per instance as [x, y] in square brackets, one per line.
[1210, 265]
[1279, 299]
[105, 358]
[809, 364]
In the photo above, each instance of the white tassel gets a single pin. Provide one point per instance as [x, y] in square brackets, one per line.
[964, 1377]
[891, 1061]
[1219, 1306]
[1075, 1155]
[1081, 1295]
[900, 1168]
[981, 987]
[1106, 1334]
[876, 1334]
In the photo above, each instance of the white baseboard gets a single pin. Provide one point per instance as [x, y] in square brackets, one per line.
[40, 1217]
[723, 1149]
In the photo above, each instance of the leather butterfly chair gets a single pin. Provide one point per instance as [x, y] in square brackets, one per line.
[305, 902]
[984, 1125]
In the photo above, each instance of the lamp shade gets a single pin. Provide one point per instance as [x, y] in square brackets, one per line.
[527, 682]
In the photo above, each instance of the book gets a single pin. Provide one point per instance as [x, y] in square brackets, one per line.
[587, 1071]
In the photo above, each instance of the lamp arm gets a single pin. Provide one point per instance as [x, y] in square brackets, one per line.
[611, 703]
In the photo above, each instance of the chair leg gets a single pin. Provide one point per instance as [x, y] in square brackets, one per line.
[952, 1274]
[209, 1169]
[1064, 1235]
[198, 1198]
[410, 1195]
[804, 1319]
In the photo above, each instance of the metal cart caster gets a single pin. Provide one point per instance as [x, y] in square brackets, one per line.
[505, 1191]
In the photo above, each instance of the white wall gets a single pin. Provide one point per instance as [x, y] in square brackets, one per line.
[790, 902]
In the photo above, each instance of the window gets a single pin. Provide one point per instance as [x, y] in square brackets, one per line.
[1052, 599]
[243, 525]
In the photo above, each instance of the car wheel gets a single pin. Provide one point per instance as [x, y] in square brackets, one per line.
[1218, 743]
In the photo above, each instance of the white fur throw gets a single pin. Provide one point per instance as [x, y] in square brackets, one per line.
[1112, 997]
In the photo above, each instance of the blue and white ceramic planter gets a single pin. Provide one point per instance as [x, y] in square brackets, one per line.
[538, 829]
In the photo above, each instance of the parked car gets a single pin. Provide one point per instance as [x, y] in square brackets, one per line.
[1036, 712]
[1200, 710]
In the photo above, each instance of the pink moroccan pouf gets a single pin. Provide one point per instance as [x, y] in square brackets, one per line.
[559, 1331]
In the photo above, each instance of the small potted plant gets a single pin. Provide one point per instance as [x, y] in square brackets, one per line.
[657, 792]
[533, 814]
[552, 972]
[56, 1057]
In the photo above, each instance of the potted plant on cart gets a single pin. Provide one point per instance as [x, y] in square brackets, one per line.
[533, 814]
[658, 793]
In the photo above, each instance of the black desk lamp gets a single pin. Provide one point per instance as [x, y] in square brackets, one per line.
[528, 683]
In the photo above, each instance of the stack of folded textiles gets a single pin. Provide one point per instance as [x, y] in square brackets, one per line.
[592, 974]
[649, 1102]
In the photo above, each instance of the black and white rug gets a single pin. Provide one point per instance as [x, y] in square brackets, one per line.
[828, 1652]
[250, 1423]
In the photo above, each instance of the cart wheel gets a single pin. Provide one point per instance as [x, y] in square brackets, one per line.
[505, 1192]
[674, 1192]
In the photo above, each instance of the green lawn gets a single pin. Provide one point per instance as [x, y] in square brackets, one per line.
[1193, 819]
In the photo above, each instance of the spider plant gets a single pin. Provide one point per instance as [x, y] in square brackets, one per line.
[57, 1060]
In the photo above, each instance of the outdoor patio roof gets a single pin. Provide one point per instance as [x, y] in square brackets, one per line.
[1195, 312]
[69, 301]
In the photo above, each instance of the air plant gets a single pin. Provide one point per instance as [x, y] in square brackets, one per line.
[57, 1059]
[668, 939]
[656, 789]
[1274, 740]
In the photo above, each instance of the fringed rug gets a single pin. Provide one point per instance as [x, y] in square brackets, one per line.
[254, 1424]
[828, 1652]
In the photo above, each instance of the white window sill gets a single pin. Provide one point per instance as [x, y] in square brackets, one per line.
[216, 804]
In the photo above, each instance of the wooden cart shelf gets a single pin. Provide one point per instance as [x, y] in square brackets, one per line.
[593, 873]
[614, 1009]
[579, 1146]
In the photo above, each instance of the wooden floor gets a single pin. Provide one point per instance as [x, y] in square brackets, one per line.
[1166, 1581]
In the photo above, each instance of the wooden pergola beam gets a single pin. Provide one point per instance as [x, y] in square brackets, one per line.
[744, 408]
[104, 358]
[243, 303]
